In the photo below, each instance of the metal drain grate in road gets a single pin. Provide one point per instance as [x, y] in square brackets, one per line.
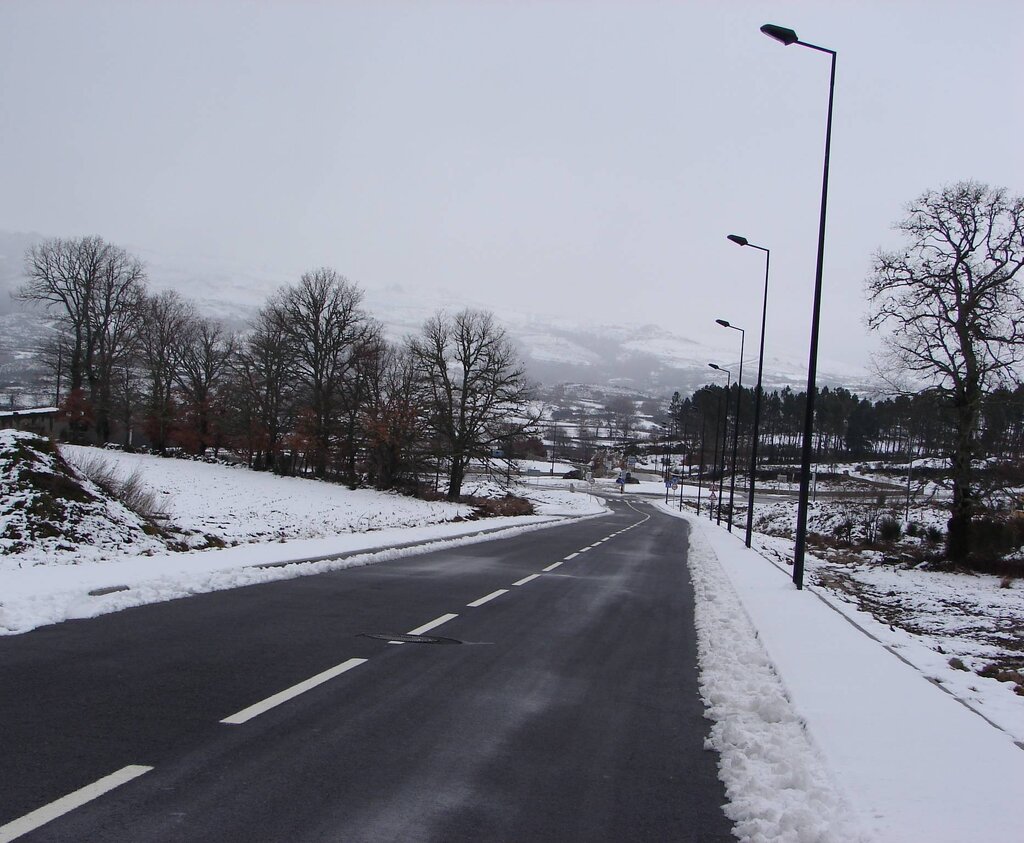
[409, 639]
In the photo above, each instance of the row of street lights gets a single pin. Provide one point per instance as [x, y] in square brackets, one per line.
[786, 37]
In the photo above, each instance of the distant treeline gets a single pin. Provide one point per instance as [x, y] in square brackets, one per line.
[848, 427]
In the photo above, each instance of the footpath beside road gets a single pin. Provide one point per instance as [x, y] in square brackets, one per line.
[913, 760]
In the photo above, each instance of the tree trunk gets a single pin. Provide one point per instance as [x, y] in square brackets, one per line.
[958, 539]
[456, 477]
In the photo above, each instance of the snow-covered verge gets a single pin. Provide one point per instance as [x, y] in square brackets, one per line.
[885, 755]
[269, 520]
[777, 784]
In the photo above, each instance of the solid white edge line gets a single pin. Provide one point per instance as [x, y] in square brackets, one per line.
[525, 580]
[552, 566]
[429, 626]
[259, 708]
[488, 598]
[570, 556]
[66, 804]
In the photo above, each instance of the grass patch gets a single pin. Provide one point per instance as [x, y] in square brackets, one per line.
[129, 491]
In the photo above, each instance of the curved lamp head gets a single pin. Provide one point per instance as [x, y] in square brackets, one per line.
[739, 241]
[780, 34]
[716, 366]
[723, 323]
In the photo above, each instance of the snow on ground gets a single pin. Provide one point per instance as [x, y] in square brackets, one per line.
[235, 504]
[46, 511]
[905, 761]
[948, 624]
[777, 783]
[544, 466]
[271, 520]
[554, 496]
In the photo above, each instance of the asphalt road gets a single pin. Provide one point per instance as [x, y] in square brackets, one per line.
[569, 711]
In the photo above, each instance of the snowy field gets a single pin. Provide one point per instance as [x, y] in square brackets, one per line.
[236, 505]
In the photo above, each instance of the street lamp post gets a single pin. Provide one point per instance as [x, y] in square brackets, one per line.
[725, 437]
[736, 424]
[742, 241]
[700, 469]
[787, 37]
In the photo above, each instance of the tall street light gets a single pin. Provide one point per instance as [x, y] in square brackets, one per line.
[742, 241]
[725, 436]
[736, 425]
[787, 37]
[700, 470]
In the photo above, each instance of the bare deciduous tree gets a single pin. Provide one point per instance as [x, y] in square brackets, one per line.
[476, 387]
[95, 290]
[953, 305]
[167, 319]
[264, 383]
[205, 351]
[325, 328]
[393, 419]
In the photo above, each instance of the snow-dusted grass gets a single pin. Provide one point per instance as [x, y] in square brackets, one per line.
[940, 621]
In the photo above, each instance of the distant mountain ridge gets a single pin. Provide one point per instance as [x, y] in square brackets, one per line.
[556, 349]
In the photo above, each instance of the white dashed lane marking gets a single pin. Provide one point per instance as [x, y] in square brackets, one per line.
[525, 580]
[552, 566]
[489, 597]
[66, 804]
[436, 622]
[259, 708]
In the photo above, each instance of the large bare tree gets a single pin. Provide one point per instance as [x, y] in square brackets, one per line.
[476, 387]
[95, 290]
[327, 332]
[952, 304]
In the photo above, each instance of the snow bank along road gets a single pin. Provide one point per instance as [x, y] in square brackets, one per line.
[569, 711]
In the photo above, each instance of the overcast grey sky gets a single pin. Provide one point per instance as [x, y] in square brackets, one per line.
[585, 158]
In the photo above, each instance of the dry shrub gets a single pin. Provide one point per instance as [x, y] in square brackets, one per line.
[130, 490]
[510, 505]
